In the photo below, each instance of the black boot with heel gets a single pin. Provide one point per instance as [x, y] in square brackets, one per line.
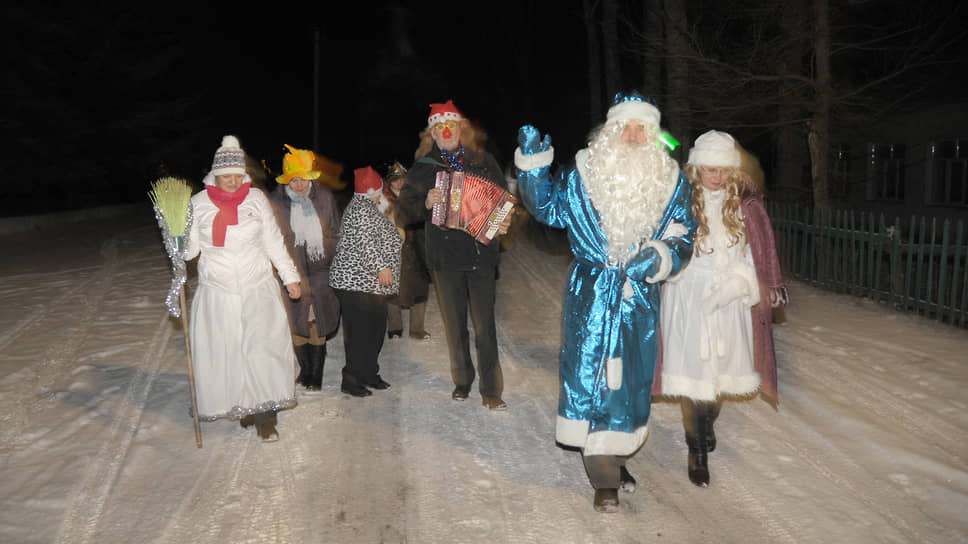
[693, 417]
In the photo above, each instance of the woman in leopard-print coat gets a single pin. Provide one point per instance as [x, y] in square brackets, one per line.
[365, 270]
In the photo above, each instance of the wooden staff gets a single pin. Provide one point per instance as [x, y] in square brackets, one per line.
[191, 372]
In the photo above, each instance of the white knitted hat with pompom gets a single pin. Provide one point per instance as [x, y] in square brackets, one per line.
[229, 158]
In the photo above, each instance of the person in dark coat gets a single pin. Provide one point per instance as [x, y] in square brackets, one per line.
[414, 276]
[463, 270]
[309, 221]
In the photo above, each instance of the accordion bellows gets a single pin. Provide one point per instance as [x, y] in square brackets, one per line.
[471, 204]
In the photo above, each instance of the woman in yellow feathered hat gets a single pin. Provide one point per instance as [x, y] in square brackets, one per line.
[309, 220]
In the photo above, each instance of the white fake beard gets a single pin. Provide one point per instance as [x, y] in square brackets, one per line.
[630, 186]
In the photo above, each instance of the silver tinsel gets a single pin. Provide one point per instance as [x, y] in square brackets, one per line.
[175, 246]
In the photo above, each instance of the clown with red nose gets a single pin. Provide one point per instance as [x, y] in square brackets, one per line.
[463, 269]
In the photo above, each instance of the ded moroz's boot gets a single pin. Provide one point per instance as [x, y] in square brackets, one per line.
[606, 500]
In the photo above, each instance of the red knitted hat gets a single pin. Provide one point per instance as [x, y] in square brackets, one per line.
[366, 180]
[443, 112]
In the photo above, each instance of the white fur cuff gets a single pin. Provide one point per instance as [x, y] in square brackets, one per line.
[571, 432]
[665, 261]
[530, 162]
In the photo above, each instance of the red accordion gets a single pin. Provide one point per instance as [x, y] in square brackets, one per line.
[471, 204]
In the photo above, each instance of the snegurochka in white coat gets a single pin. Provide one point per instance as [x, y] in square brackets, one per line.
[241, 346]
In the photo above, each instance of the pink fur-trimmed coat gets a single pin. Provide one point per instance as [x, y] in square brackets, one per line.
[759, 232]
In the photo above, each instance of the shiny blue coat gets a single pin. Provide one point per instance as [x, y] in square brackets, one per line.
[599, 323]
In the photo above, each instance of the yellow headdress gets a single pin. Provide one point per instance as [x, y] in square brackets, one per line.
[298, 163]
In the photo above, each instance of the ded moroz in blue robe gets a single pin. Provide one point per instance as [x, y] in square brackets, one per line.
[610, 318]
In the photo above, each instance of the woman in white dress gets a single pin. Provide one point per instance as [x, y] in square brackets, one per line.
[707, 329]
[242, 351]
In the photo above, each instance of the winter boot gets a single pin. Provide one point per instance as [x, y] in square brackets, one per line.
[305, 366]
[352, 386]
[606, 500]
[698, 466]
[265, 426]
[317, 360]
[707, 418]
[698, 462]
[627, 481]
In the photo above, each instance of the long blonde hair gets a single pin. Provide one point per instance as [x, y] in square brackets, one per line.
[735, 232]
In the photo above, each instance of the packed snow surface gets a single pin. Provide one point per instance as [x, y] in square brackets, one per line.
[98, 445]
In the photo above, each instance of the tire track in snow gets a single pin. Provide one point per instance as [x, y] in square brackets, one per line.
[876, 400]
[38, 314]
[60, 353]
[817, 461]
[213, 489]
[81, 520]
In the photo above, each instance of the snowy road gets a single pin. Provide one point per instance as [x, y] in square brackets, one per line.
[869, 443]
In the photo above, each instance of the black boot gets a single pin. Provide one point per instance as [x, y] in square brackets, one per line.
[305, 366]
[698, 462]
[698, 467]
[352, 386]
[707, 419]
[627, 481]
[317, 360]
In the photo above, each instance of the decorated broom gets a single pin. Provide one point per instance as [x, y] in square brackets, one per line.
[171, 199]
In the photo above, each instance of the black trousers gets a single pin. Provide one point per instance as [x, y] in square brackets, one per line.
[364, 325]
[457, 292]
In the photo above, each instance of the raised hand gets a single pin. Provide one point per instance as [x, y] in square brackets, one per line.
[530, 141]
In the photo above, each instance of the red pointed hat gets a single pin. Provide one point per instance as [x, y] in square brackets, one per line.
[366, 180]
[443, 112]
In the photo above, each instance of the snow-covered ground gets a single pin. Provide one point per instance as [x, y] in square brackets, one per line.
[869, 443]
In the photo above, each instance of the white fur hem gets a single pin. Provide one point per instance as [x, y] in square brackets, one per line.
[575, 433]
[530, 162]
[680, 386]
[613, 373]
[665, 261]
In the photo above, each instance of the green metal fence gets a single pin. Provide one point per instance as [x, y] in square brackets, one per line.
[919, 266]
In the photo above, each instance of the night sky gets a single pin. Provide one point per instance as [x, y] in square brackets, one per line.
[381, 65]
[113, 93]
[103, 97]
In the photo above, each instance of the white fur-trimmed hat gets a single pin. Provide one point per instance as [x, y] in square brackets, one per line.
[633, 106]
[229, 158]
[440, 113]
[714, 148]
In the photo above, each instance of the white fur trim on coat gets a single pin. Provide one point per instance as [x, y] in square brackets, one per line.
[665, 261]
[705, 390]
[537, 160]
[574, 433]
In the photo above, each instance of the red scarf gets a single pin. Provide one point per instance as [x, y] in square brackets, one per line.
[228, 210]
